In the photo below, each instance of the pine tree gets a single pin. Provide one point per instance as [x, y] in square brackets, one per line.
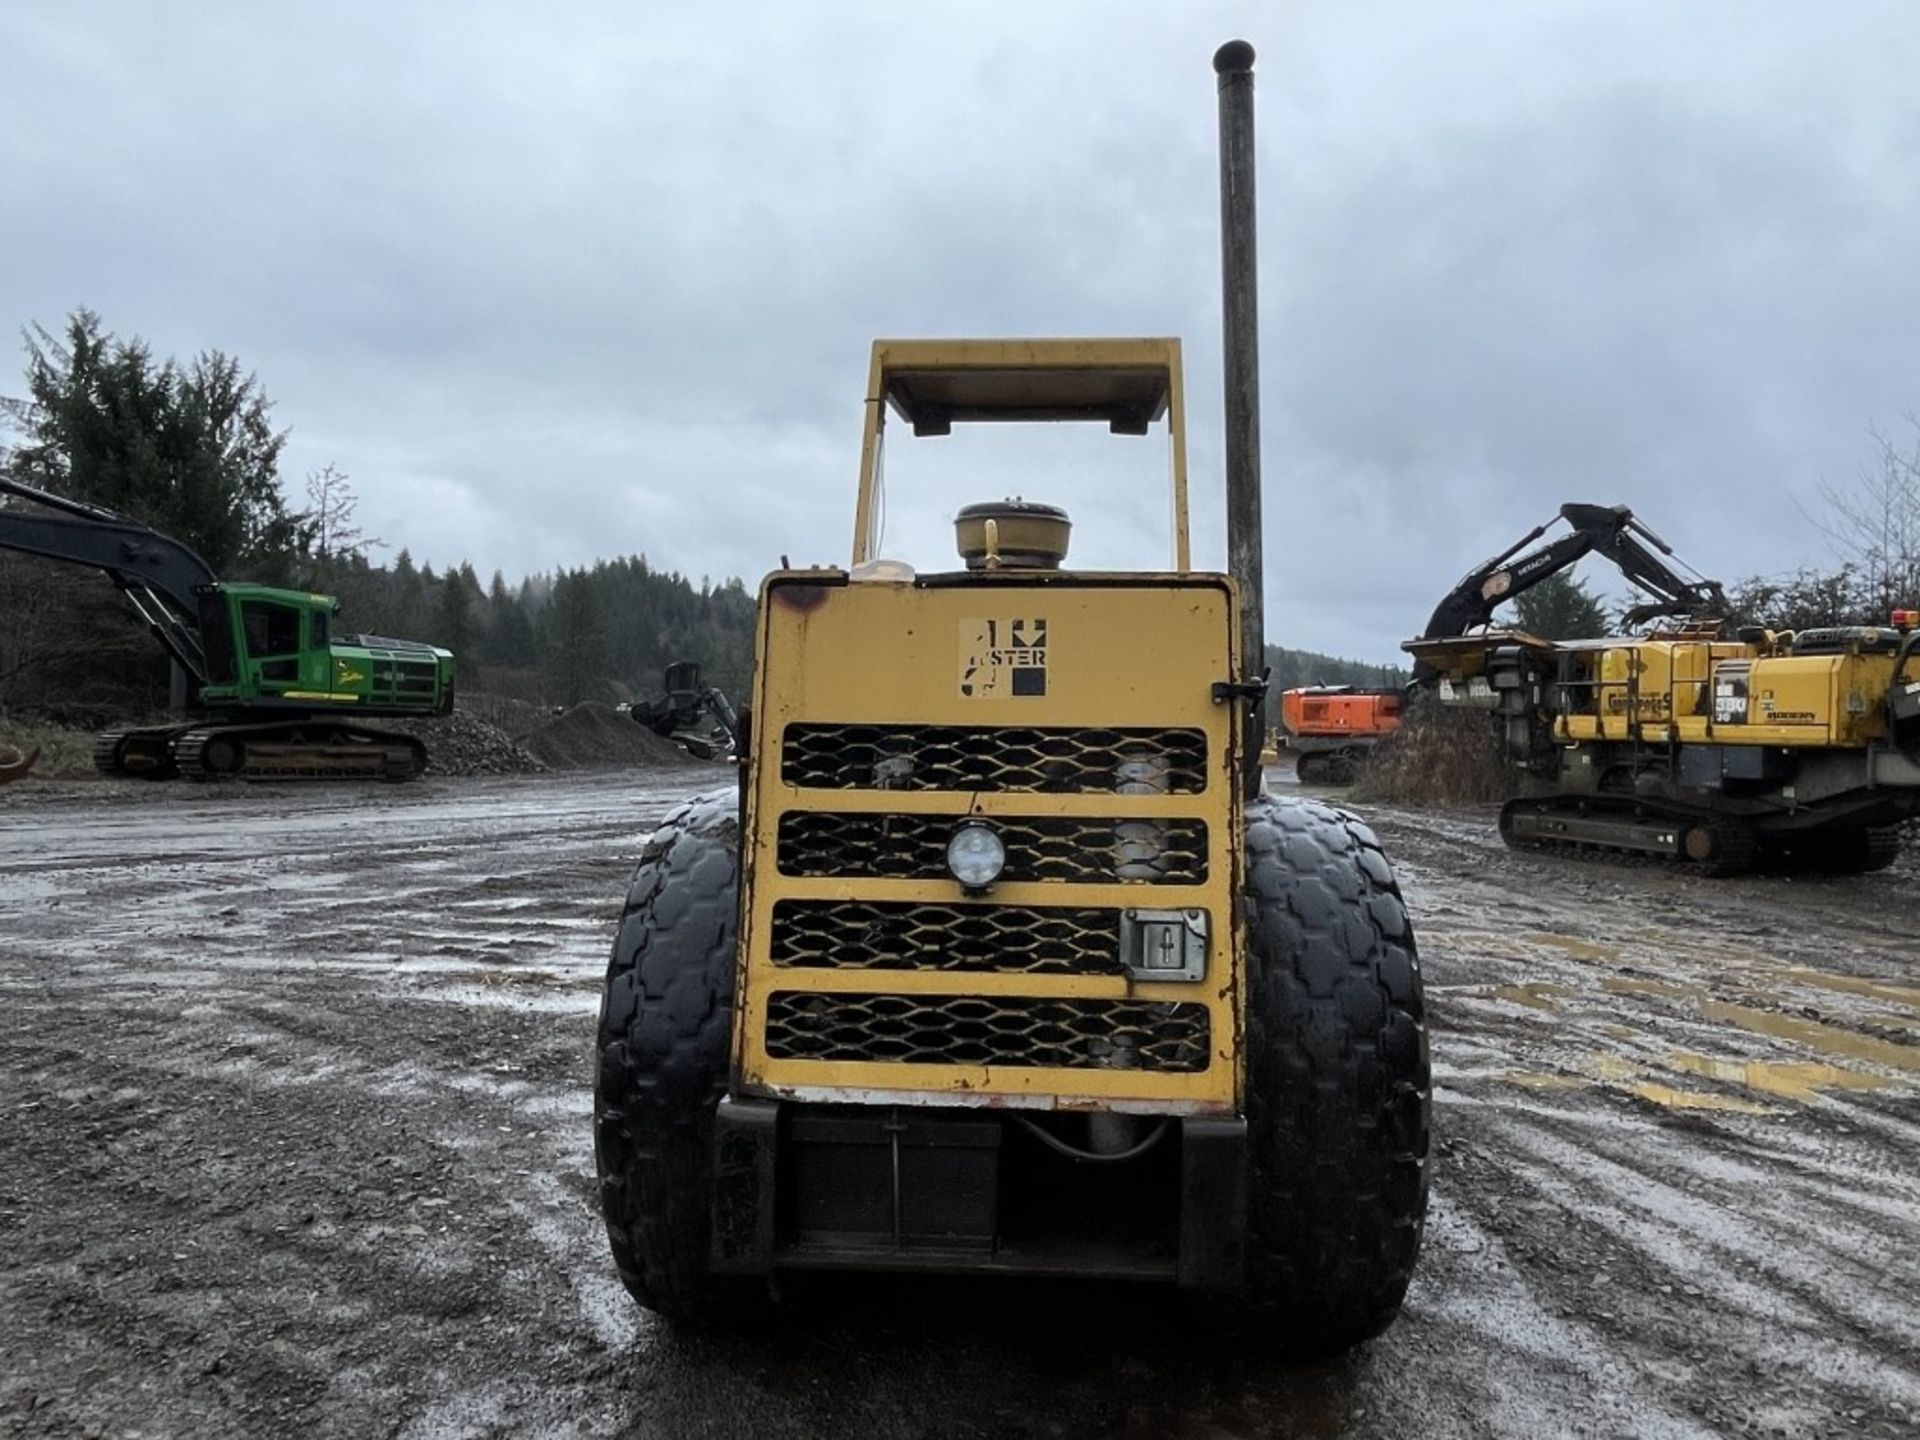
[1559, 608]
[189, 449]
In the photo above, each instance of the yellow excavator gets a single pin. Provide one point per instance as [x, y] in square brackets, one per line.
[1719, 750]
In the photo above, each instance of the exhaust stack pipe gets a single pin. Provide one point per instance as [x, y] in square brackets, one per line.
[1240, 333]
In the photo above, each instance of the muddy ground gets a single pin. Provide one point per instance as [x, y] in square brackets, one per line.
[296, 1090]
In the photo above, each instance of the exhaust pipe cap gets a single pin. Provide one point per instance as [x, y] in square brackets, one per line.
[1233, 58]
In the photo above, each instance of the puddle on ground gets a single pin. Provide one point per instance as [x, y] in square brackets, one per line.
[1579, 949]
[1534, 994]
[1541, 1080]
[1791, 1081]
[1816, 1036]
[1696, 1100]
[1627, 985]
[1904, 995]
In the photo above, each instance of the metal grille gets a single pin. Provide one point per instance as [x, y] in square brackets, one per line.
[1073, 848]
[1062, 760]
[1031, 940]
[988, 1030]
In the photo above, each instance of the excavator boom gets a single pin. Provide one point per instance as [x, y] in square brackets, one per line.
[163, 578]
[1612, 531]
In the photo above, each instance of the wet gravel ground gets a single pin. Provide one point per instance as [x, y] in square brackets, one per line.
[296, 1089]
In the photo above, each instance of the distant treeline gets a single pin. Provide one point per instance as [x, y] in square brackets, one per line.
[603, 632]
[1293, 668]
[189, 448]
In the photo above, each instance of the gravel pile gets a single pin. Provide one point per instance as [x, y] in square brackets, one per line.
[463, 744]
[592, 736]
[1909, 861]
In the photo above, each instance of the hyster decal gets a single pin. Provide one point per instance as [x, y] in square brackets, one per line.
[1003, 659]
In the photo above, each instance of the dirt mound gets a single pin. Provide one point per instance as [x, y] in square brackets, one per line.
[514, 716]
[592, 736]
[1439, 756]
[463, 744]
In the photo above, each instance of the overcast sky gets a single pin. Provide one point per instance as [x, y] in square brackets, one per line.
[553, 282]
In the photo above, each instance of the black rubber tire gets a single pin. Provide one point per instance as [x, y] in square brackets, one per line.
[1338, 1082]
[666, 1019]
[1309, 769]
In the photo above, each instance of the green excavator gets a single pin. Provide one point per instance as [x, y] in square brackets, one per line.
[276, 694]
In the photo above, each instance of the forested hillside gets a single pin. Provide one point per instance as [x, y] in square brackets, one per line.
[190, 449]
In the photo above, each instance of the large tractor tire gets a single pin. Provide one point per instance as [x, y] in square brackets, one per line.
[665, 1022]
[1338, 1084]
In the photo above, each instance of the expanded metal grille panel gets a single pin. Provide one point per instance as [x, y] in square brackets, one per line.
[988, 1030]
[902, 935]
[1062, 760]
[1074, 848]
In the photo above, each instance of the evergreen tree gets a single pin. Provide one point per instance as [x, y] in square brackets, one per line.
[1559, 608]
[189, 449]
[454, 629]
[574, 640]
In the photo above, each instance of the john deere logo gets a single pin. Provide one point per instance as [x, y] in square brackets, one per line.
[1002, 659]
[345, 674]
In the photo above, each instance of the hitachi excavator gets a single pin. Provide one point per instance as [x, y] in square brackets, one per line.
[279, 694]
[1331, 729]
[1716, 750]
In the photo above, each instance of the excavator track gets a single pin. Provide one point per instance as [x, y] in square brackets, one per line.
[1853, 850]
[297, 750]
[1715, 845]
[143, 752]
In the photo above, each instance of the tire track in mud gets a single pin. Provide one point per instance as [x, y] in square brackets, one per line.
[1694, 1108]
[299, 1143]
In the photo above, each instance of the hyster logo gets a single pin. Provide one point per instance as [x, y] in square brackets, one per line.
[1003, 659]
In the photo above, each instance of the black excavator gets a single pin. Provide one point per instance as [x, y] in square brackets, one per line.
[698, 718]
[277, 694]
[1611, 531]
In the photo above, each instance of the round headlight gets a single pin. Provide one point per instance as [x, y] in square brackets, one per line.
[976, 856]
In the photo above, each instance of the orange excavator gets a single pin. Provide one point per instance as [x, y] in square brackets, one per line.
[1330, 728]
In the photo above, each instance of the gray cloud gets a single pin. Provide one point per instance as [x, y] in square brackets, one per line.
[566, 281]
